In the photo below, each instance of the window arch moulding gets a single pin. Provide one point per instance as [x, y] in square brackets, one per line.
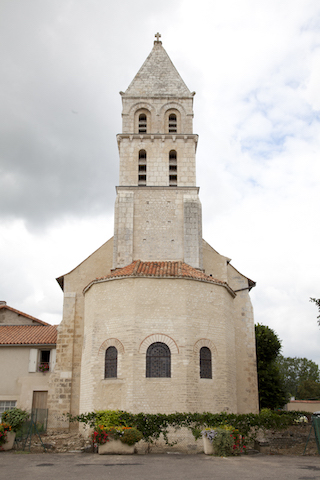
[173, 109]
[139, 110]
[111, 342]
[158, 337]
[205, 342]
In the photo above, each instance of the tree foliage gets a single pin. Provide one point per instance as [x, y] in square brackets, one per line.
[309, 390]
[317, 302]
[271, 391]
[294, 371]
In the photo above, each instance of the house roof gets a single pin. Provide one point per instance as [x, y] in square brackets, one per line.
[160, 270]
[36, 320]
[28, 334]
[157, 77]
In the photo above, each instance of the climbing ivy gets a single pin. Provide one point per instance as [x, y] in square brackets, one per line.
[152, 426]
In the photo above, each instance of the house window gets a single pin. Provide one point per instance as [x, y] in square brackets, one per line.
[172, 123]
[142, 123]
[173, 178]
[205, 363]
[111, 363]
[142, 167]
[158, 361]
[6, 405]
[44, 361]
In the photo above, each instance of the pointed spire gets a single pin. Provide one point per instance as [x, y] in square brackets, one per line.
[158, 76]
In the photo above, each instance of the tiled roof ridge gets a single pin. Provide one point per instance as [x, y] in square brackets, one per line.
[159, 269]
[25, 315]
[28, 334]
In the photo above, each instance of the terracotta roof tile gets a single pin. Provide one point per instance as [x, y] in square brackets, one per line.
[28, 334]
[159, 270]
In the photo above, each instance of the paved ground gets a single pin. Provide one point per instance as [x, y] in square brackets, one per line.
[81, 466]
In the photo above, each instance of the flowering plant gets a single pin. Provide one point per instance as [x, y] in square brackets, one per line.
[4, 428]
[302, 419]
[44, 367]
[128, 435]
[100, 436]
[209, 433]
[238, 445]
[225, 439]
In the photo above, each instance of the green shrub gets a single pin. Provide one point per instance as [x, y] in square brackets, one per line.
[128, 435]
[15, 417]
[110, 418]
[131, 436]
[223, 441]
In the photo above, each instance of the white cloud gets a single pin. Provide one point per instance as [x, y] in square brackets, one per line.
[255, 68]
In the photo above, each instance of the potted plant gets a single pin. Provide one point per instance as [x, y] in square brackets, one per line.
[208, 435]
[223, 440]
[44, 367]
[5, 438]
[115, 440]
[15, 418]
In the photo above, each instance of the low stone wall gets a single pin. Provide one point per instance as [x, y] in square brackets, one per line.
[291, 441]
[303, 406]
[56, 443]
[181, 440]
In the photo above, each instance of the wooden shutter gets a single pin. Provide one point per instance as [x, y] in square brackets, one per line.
[33, 360]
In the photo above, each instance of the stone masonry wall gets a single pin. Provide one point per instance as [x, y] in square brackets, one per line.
[157, 149]
[185, 315]
[158, 224]
[64, 387]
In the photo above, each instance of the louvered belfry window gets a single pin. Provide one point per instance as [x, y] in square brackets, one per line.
[142, 123]
[173, 177]
[205, 363]
[172, 123]
[111, 363]
[158, 360]
[142, 177]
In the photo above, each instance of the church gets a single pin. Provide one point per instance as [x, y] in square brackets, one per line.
[155, 320]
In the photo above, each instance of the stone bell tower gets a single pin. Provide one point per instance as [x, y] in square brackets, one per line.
[155, 320]
[157, 210]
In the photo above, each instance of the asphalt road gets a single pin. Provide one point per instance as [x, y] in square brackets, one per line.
[80, 466]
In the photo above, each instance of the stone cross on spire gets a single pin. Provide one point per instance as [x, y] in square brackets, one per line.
[157, 35]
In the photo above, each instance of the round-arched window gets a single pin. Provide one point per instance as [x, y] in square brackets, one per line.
[205, 363]
[158, 361]
[111, 363]
[172, 127]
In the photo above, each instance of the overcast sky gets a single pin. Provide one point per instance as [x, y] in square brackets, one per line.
[255, 66]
